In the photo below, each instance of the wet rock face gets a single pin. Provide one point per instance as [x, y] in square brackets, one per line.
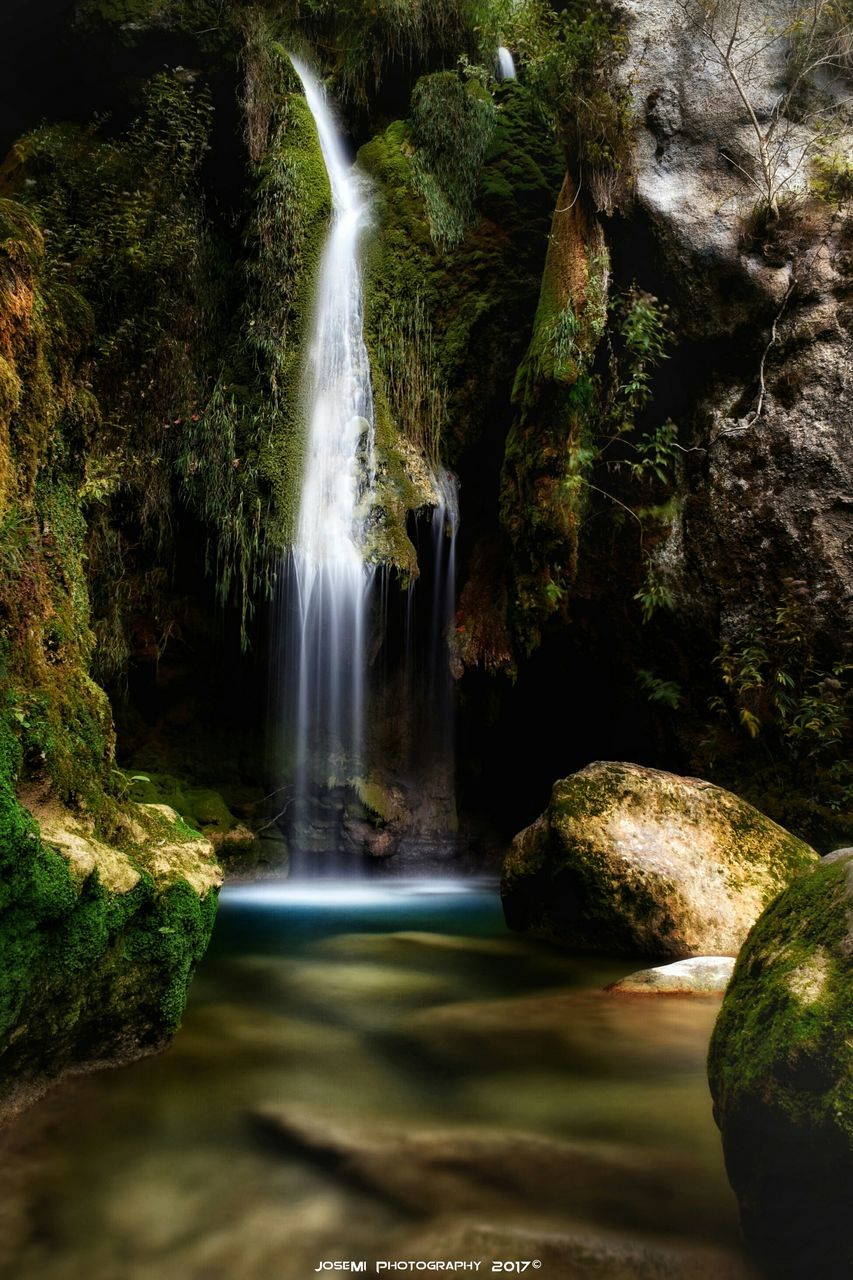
[781, 1074]
[632, 860]
[692, 132]
[771, 500]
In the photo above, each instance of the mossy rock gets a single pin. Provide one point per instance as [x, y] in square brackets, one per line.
[201, 808]
[634, 861]
[99, 937]
[544, 489]
[781, 1074]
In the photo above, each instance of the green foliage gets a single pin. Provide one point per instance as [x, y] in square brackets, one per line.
[362, 38]
[654, 593]
[128, 263]
[667, 692]
[772, 682]
[208, 21]
[642, 326]
[451, 125]
[832, 178]
[405, 352]
[570, 65]
[445, 327]
[778, 694]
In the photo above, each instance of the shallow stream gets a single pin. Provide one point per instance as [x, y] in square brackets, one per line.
[381, 1071]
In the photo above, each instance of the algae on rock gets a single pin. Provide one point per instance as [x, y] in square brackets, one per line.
[781, 1074]
[544, 486]
[636, 861]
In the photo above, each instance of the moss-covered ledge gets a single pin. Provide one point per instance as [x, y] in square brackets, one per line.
[98, 940]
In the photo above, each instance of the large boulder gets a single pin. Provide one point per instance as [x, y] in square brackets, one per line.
[99, 937]
[630, 860]
[781, 1073]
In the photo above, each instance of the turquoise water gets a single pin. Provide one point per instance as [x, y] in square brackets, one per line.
[378, 1070]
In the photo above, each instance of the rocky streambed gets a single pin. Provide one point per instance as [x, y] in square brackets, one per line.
[383, 1072]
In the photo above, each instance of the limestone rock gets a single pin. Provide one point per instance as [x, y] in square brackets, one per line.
[689, 195]
[772, 501]
[837, 855]
[701, 976]
[630, 860]
[781, 1074]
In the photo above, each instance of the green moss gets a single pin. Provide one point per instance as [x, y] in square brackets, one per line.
[451, 125]
[457, 312]
[78, 307]
[769, 1022]
[550, 447]
[565, 875]
[781, 1073]
[66, 982]
[201, 808]
[240, 460]
[379, 799]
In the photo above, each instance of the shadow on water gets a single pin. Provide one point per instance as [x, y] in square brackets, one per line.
[381, 1070]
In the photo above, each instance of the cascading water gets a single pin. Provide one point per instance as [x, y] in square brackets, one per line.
[506, 64]
[332, 613]
[445, 526]
[327, 580]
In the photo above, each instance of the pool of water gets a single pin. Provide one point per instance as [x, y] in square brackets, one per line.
[381, 1071]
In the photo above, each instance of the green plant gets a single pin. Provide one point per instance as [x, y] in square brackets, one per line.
[667, 692]
[654, 593]
[405, 352]
[571, 67]
[451, 124]
[775, 688]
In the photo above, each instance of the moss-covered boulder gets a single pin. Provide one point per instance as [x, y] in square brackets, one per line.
[632, 860]
[98, 938]
[781, 1073]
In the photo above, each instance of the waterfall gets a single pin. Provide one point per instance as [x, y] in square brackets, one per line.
[445, 526]
[506, 64]
[327, 580]
[336, 607]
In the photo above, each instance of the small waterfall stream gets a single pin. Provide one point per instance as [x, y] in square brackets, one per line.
[328, 581]
[336, 614]
[506, 64]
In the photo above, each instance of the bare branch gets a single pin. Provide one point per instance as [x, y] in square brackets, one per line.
[774, 337]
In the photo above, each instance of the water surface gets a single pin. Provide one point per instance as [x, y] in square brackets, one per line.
[469, 1074]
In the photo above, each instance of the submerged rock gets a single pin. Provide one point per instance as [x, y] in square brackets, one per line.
[630, 860]
[781, 1074]
[580, 1252]
[702, 975]
[427, 1171]
[579, 1032]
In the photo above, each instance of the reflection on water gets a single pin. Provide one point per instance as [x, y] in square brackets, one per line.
[382, 1071]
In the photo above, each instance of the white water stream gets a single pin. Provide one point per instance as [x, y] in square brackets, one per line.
[506, 64]
[329, 581]
[329, 594]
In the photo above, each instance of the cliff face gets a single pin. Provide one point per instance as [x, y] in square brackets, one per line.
[702, 566]
[772, 296]
[742, 207]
